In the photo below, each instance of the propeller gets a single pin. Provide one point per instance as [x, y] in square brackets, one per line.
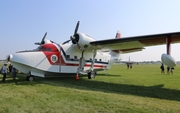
[42, 41]
[75, 41]
[75, 37]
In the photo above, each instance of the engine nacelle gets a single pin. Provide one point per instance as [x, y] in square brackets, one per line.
[84, 41]
[168, 60]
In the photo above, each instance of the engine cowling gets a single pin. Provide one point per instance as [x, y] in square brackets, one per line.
[83, 40]
[168, 60]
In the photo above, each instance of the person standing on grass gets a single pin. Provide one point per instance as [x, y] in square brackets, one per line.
[10, 68]
[127, 65]
[130, 65]
[162, 68]
[168, 69]
[4, 72]
[171, 70]
[14, 72]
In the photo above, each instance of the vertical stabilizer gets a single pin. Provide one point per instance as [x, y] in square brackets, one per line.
[118, 34]
[115, 54]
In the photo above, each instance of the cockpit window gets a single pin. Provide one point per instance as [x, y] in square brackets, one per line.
[40, 48]
[48, 49]
[44, 47]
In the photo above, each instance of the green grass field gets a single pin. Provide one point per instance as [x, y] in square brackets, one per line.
[142, 89]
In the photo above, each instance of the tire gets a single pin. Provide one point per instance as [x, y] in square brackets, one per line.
[30, 78]
[91, 75]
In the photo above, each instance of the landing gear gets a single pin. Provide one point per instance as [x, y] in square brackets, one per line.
[91, 75]
[80, 69]
[30, 77]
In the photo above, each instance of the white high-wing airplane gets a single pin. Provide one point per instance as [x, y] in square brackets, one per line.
[85, 55]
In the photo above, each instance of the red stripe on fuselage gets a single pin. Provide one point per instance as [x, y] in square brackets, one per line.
[60, 60]
[63, 63]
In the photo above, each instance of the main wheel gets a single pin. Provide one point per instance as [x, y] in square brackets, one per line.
[30, 78]
[91, 75]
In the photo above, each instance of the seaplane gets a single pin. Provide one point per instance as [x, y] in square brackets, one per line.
[82, 55]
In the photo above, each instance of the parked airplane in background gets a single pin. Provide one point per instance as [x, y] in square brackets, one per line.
[85, 55]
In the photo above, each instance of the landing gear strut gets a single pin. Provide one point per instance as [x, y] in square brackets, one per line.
[91, 73]
[80, 69]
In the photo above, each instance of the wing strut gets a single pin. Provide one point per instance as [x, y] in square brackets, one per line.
[168, 44]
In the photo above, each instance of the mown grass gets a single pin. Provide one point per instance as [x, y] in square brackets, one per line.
[141, 89]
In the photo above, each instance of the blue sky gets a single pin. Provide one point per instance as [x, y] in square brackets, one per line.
[24, 22]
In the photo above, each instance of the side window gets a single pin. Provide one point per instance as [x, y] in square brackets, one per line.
[43, 49]
[75, 57]
[67, 56]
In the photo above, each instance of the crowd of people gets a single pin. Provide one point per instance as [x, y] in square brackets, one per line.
[10, 69]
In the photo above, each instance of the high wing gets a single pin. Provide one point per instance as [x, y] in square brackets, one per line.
[136, 43]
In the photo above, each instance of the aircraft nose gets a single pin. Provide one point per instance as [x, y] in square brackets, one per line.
[9, 57]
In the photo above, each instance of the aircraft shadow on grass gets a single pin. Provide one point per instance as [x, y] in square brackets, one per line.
[109, 75]
[156, 91]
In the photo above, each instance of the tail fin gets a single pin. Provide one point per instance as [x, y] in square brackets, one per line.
[118, 35]
[115, 54]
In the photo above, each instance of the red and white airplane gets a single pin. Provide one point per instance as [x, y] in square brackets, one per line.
[85, 55]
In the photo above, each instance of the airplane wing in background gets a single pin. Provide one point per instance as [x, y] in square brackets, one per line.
[136, 43]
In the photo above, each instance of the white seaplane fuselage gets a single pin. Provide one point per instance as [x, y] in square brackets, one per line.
[60, 60]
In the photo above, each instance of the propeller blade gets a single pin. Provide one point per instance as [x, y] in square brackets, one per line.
[42, 41]
[65, 42]
[37, 43]
[77, 27]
